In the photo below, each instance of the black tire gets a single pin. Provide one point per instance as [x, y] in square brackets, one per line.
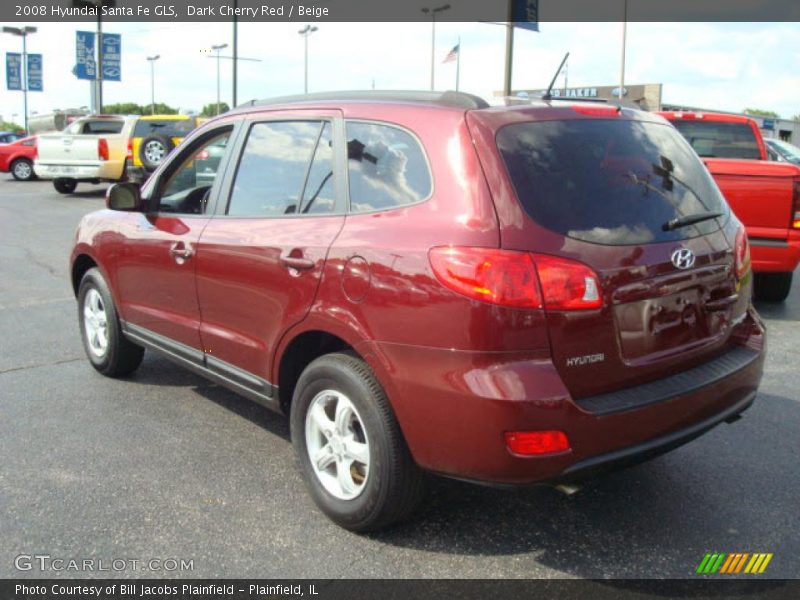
[393, 486]
[153, 150]
[772, 287]
[65, 186]
[22, 170]
[121, 356]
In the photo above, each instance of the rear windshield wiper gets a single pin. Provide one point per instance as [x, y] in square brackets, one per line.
[690, 220]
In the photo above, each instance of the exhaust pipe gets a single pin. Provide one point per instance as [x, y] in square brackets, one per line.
[568, 489]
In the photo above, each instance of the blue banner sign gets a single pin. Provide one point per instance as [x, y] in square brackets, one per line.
[13, 70]
[525, 14]
[112, 56]
[85, 67]
[35, 73]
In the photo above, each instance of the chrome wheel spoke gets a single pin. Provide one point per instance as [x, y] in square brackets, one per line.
[324, 457]
[357, 451]
[345, 477]
[321, 420]
[344, 414]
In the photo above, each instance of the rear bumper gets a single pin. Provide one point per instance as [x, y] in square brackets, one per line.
[454, 408]
[105, 170]
[775, 254]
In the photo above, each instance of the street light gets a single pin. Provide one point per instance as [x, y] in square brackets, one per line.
[217, 48]
[152, 60]
[23, 32]
[432, 12]
[305, 32]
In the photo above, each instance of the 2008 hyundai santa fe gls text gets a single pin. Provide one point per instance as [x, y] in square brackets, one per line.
[512, 295]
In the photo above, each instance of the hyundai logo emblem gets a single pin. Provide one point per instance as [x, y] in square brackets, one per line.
[683, 258]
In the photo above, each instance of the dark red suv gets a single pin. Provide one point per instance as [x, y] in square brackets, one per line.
[425, 283]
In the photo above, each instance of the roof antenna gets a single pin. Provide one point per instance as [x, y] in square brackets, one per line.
[549, 93]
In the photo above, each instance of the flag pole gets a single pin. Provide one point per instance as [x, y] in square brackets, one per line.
[458, 62]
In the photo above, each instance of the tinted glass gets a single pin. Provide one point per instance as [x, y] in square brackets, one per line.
[387, 167]
[187, 188]
[720, 140]
[788, 151]
[611, 182]
[168, 128]
[109, 126]
[318, 196]
[273, 168]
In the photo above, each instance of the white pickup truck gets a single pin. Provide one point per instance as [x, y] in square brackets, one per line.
[91, 149]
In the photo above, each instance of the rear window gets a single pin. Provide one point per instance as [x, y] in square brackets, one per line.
[177, 128]
[614, 182]
[720, 140]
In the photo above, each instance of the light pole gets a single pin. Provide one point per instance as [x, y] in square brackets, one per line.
[624, 36]
[432, 12]
[152, 60]
[217, 48]
[23, 32]
[305, 32]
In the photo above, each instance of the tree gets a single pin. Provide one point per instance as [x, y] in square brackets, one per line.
[210, 110]
[758, 112]
[9, 126]
[131, 108]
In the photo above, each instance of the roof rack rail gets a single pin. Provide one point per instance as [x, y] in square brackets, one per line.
[448, 98]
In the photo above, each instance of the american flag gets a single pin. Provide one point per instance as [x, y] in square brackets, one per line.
[452, 55]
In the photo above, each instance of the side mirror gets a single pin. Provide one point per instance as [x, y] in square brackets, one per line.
[124, 196]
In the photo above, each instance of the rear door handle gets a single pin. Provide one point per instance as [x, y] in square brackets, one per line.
[296, 262]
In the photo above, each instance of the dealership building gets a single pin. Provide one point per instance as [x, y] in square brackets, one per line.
[647, 96]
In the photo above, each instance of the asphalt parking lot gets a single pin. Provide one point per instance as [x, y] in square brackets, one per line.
[164, 465]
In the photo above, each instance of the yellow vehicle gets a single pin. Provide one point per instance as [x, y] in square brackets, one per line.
[153, 138]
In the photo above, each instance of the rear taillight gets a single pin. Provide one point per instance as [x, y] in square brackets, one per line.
[741, 254]
[490, 275]
[535, 443]
[567, 284]
[517, 279]
[102, 149]
[202, 155]
[129, 156]
[796, 205]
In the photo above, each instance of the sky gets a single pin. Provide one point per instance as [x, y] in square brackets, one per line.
[725, 66]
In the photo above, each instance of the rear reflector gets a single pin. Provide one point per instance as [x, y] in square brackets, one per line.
[517, 279]
[741, 254]
[536, 443]
[130, 150]
[102, 149]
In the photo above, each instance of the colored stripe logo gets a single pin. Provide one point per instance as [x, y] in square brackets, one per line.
[734, 563]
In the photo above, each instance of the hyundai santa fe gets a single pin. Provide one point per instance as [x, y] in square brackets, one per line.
[427, 284]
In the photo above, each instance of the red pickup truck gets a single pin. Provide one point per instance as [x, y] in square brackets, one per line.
[764, 195]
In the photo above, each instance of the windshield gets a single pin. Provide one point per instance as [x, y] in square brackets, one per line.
[609, 181]
[787, 150]
[714, 139]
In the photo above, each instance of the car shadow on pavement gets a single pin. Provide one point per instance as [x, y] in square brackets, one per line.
[780, 311]
[722, 492]
[94, 192]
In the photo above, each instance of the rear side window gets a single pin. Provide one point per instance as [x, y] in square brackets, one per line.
[167, 128]
[109, 126]
[719, 140]
[273, 167]
[614, 182]
[386, 166]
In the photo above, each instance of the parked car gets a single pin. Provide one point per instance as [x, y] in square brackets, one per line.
[91, 149]
[153, 138]
[513, 295]
[782, 151]
[764, 195]
[17, 158]
[7, 137]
